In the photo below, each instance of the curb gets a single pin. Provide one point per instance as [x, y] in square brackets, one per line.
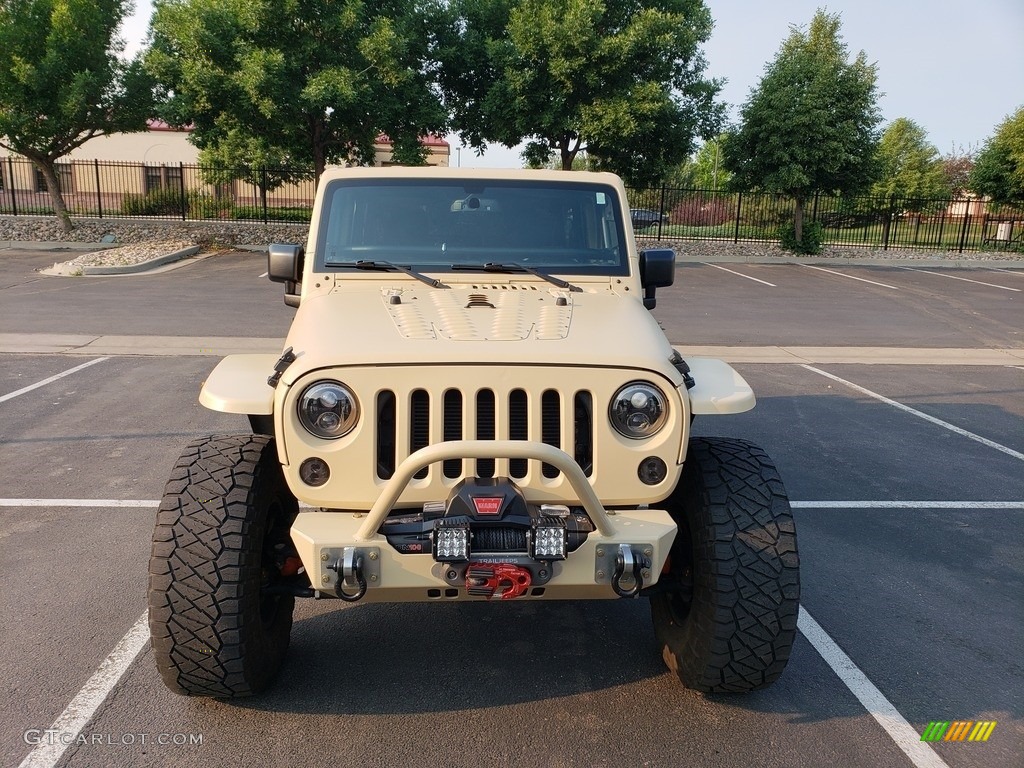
[142, 266]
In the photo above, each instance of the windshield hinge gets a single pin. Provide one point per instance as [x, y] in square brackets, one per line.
[287, 358]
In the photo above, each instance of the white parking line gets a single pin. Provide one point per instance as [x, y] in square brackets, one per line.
[964, 279]
[819, 504]
[80, 711]
[850, 277]
[264, 274]
[79, 503]
[919, 414]
[909, 740]
[1017, 272]
[44, 382]
[907, 504]
[97, 688]
[739, 274]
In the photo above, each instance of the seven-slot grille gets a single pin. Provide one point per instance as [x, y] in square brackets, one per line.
[483, 414]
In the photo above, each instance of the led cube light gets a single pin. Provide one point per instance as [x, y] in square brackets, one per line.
[547, 540]
[451, 543]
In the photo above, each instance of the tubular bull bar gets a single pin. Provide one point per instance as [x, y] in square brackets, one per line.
[627, 550]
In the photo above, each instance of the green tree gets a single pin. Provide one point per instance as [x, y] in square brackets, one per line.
[709, 171]
[957, 167]
[910, 167]
[621, 80]
[582, 162]
[911, 174]
[703, 170]
[999, 167]
[251, 159]
[63, 83]
[811, 124]
[315, 80]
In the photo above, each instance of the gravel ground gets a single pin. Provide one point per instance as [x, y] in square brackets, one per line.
[688, 250]
[126, 255]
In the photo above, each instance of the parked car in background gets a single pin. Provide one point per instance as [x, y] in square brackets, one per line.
[643, 218]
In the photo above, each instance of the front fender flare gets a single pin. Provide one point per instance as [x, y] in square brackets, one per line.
[719, 388]
[239, 385]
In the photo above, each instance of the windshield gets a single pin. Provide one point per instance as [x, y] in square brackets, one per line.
[432, 224]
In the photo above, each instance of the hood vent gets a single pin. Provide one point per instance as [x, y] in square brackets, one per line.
[478, 300]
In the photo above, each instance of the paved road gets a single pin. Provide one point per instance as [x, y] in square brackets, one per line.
[925, 599]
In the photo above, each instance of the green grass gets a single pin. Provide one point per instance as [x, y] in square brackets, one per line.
[902, 234]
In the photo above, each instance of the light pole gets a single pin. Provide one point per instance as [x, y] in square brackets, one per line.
[458, 156]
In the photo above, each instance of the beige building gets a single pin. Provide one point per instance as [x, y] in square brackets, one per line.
[97, 176]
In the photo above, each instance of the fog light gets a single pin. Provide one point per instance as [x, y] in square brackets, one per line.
[314, 472]
[547, 540]
[652, 470]
[451, 543]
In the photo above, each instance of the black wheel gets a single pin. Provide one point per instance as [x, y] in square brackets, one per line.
[726, 617]
[221, 526]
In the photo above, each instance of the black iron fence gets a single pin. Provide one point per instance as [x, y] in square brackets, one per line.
[956, 224]
[183, 191]
[180, 191]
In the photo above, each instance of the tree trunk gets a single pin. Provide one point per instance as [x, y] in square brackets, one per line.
[568, 157]
[798, 221]
[319, 164]
[319, 150]
[46, 167]
[569, 152]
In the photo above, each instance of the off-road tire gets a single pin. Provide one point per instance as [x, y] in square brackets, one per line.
[213, 632]
[728, 621]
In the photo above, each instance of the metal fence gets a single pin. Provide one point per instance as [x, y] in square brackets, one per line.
[183, 191]
[955, 224]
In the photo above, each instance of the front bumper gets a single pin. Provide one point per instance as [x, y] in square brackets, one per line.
[326, 540]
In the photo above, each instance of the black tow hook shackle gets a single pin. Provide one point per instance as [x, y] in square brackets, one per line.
[628, 561]
[349, 568]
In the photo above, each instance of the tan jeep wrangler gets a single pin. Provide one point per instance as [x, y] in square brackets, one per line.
[473, 403]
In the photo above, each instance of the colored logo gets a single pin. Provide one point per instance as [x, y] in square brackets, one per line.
[958, 730]
[488, 505]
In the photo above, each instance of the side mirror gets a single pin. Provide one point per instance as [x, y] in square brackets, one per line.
[657, 270]
[284, 265]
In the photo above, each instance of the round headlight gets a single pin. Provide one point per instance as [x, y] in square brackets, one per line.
[328, 409]
[638, 410]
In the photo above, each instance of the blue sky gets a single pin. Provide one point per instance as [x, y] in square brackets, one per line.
[954, 67]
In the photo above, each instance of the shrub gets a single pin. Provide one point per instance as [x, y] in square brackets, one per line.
[204, 206]
[699, 211]
[159, 202]
[274, 213]
[811, 243]
[166, 201]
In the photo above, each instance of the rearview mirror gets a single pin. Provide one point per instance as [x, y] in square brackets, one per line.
[284, 265]
[657, 270]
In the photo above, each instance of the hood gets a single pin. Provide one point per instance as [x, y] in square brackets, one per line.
[516, 323]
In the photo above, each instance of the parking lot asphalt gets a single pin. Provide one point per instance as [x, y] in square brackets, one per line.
[909, 521]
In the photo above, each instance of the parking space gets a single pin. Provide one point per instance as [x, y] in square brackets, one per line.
[221, 295]
[801, 304]
[925, 599]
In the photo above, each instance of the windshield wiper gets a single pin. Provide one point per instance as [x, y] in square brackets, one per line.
[512, 266]
[387, 266]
